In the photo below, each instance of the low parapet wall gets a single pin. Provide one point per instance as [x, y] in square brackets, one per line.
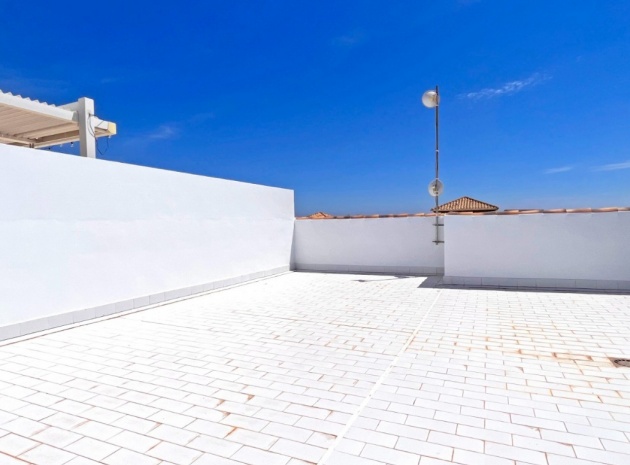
[82, 238]
[562, 249]
[581, 250]
[401, 245]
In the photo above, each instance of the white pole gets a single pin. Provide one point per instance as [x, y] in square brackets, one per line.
[87, 139]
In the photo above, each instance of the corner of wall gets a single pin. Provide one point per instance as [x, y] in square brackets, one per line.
[292, 259]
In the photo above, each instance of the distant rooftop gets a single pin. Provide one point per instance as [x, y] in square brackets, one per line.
[326, 216]
[319, 216]
[465, 204]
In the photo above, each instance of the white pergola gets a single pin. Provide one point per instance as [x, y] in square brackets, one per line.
[30, 123]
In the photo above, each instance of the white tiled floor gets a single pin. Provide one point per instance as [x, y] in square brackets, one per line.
[324, 368]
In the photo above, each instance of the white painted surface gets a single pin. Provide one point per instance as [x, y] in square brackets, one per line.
[574, 246]
[333, 339]
[77, 233]
[399, 245]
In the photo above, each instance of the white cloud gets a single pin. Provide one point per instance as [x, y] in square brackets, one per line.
[508, 88]
[350, 40]
[109, 80]
[165, 131]
[614, 166]
[143, 140]
[199, 118]
[561, 169]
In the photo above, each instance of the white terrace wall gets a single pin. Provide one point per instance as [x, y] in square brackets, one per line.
[379, 245]
[82, 238]
[572, 250]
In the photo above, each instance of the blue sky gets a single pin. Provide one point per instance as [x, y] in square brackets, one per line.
[324, 97]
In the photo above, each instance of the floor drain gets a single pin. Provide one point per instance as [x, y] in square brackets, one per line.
[621, 362]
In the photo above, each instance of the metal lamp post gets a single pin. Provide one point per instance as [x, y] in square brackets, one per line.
[431, 99]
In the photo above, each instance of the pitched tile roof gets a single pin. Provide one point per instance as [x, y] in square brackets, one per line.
[465, 204]
[319, 216]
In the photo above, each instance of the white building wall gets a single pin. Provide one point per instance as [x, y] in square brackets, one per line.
[81, 237]
[390, 245]
[550, 250]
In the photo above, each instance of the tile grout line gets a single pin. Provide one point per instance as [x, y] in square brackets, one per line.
[377, 385]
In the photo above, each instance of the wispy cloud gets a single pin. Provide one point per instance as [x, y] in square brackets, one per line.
[614, 166]
[164, 131]
[144, 140]
[350, 40]
[109, 80]
[561, 169]
[200, 118]
[508, 88]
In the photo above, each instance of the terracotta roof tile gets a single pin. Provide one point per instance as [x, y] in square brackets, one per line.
[319, 216]
[465, 204]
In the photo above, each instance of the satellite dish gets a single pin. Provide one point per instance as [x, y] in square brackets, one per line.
[430, 99]
[436, 187]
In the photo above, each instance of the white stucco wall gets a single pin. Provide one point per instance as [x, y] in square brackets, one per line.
[78, 233]
[396, 245]
[572, 246]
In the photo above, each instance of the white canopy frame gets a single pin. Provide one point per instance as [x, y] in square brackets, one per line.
[30, 123]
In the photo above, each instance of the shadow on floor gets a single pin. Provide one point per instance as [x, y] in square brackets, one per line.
[385, 278]
[435, 282]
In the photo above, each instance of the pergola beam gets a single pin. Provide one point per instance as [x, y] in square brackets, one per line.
[38, 134]
[34, 124]
[16, 139]
[33, 106]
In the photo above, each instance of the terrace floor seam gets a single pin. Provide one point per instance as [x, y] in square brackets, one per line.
[341, 436]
